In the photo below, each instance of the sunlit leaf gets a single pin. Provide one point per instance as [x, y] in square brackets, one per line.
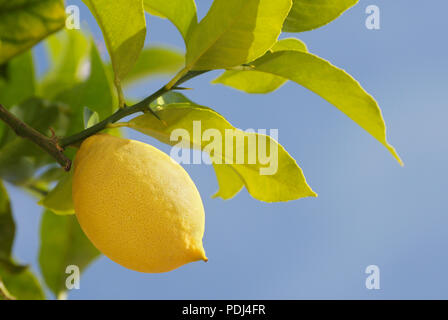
[235, 32]
[59, 200]
[311, 14]
[68, 51]
[252, 81]
[331, 83]
[124, 29]
[285, 180]
[23, 23]
[230, 183]
[155, 61]
[63, 243]
[182, 13]
[86, 94]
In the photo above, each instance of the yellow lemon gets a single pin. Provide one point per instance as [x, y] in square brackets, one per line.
[137, 205]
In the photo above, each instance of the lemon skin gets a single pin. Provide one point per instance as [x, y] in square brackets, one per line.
[138, 206]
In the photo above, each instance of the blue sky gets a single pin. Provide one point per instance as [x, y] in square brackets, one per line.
[369, 209]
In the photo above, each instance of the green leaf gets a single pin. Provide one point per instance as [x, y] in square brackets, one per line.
[19, 83]
[124, 28]
[63, 243]
[19, 157]
[68, 51]
[7, 225]
[307, 15]
[22, 285]
[59, 200]
[182, 13]
[252, 81]
[90, 118]
[23, 23]
[283, 183]
[235, 32]
[155, 61]
[331, 83]
[18, 280]
[230, 183]
[95, 93]
[4, 293]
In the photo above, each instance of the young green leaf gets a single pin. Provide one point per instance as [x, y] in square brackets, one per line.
[182, 13]
[19, 82]
[63, 243]
[285, 182]
[331, 83]
[307, 15]
[59, 200]
[24, 23]
[235, 32]
[124, 28]
[252, 81]
[67, 52]
[155, 61]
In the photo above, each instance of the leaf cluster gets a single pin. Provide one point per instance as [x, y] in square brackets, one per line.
[81, 94]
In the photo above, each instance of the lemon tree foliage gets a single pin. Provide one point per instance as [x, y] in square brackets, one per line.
[16, 282]
[23, 285]
[63, 244]
[67, 52]
[7, 228]
[124, 29]
[18, 82]
[23, 23]
[307, 15]
[74, 101]
[333, 84]
[283, 184]
[253, 81]
[154, 61]
[182, 13]
[229, 182]
[20, 158]
[316, 74]
[85, 93]
[59, 199]
[235, 32]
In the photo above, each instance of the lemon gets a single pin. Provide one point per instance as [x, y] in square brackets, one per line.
[137, 205]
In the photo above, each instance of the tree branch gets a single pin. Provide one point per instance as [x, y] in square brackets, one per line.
[50, 145]
[56, 148]
[123, 112]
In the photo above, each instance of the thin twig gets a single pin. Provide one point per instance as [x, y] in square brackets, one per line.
[56, 148]
[50, 145]
[142, 106]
